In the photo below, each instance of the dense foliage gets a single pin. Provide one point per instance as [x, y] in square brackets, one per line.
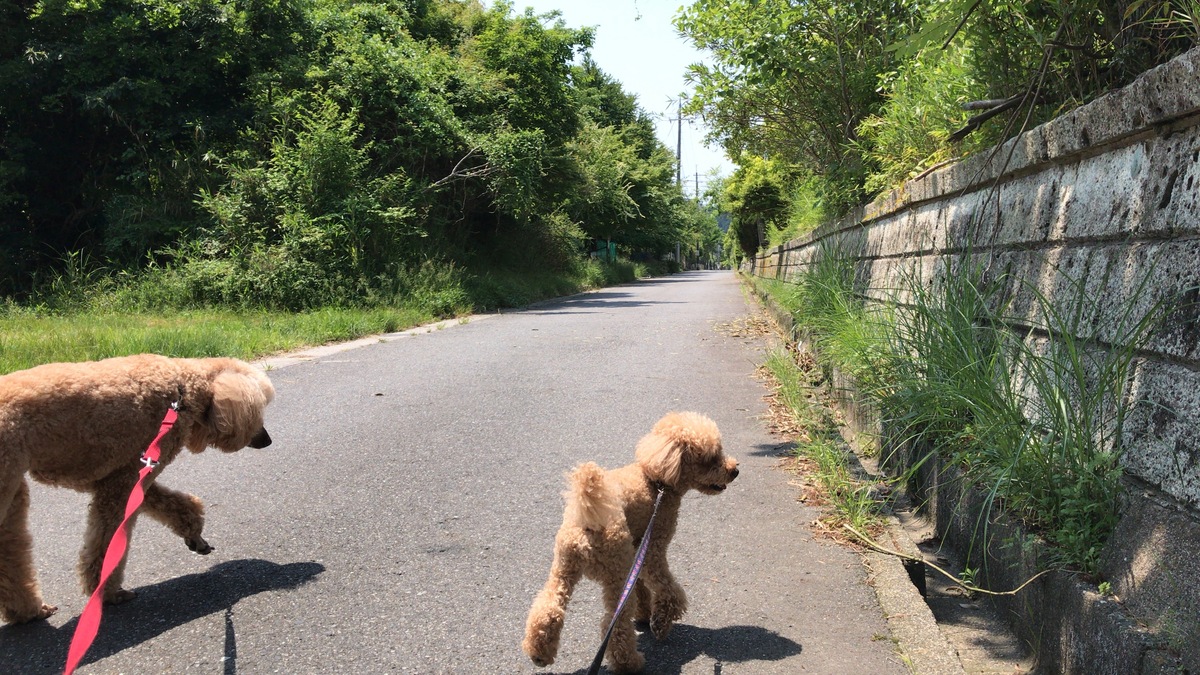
[850, 98]
[296, 153]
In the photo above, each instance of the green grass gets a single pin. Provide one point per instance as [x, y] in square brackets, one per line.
[831, 313]
[791, 383]
[1036, 421]
[28, 339]
[850, 500]
[86, 317]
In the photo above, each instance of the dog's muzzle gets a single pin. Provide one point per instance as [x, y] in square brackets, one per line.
[718, 487]
[261, 440]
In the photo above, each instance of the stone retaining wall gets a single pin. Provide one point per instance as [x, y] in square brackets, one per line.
[1107, 196]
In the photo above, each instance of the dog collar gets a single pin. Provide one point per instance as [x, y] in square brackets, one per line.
[662, 487]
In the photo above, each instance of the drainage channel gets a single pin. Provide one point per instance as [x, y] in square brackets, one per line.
[984, 642]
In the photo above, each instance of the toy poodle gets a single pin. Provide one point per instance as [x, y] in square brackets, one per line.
[605, 517]
[86, 425]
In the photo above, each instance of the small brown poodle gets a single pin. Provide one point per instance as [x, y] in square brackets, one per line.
[605, 517]
[86, 425]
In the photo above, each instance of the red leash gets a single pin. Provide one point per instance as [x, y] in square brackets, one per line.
[89, 620]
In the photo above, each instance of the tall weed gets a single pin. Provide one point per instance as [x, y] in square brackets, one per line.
[1030, 403]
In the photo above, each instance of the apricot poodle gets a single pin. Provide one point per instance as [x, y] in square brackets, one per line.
[603, 523]
[86, 425]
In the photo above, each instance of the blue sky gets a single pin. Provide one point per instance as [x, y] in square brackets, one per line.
[636, 43]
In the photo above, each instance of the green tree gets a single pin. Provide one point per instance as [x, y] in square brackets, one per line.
[304, 152]
[107, 110]
[535, 65]
[924, 107]
[627, 193]
[600, 199]
[755, 196]
[794, 80]
[699, 237]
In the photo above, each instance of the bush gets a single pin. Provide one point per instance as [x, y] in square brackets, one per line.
[312, 152]
[924, 107]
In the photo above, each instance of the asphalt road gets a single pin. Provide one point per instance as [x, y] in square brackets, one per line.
[403, 519]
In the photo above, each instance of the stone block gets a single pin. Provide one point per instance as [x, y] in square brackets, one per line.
[1171, 187]
[1152, 566]
[1161, 439]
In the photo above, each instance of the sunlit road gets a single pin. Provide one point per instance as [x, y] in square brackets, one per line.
[403, 519]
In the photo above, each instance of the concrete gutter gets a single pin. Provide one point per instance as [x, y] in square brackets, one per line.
[920, 641]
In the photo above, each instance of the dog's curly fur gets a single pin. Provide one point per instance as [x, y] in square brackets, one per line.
[86, 425]
[605, 517]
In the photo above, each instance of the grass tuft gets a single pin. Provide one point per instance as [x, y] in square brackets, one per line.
[1030, 403]
[820, 453]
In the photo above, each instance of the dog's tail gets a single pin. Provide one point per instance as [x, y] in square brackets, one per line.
[591, 501]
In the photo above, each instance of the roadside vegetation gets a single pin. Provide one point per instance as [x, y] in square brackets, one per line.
[98, 318]
[823, 104]
[322, 165]
[820, 455]
[957, 371]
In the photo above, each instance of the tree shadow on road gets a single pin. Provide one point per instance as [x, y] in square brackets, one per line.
[731, 644]
[579, 304]
[41, 648]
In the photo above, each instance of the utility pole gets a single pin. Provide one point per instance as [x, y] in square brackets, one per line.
[697, 184]
[679, 163]
[679, 143]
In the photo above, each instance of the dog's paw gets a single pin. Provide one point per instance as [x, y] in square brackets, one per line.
[540, 652]
[661, 626]
[198, 545]
[119, 597]
[668, 608]
[40, 613]
[627, 664]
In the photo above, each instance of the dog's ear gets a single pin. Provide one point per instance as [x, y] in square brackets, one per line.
[238, 399]
[660, 457]
[662, 452]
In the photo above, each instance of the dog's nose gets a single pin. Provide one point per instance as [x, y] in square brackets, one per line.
[733, 474]
[261, 440]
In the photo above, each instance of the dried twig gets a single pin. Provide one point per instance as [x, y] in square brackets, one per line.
[986, 104]
[474, 172]
[974, 589]
[976, 121]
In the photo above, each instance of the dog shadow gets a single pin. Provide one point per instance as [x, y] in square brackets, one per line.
[39, 647]
[731, 644]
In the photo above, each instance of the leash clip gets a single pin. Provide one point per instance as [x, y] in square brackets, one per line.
[153, 463]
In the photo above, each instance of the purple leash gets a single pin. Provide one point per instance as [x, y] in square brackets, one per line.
[629, 582]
